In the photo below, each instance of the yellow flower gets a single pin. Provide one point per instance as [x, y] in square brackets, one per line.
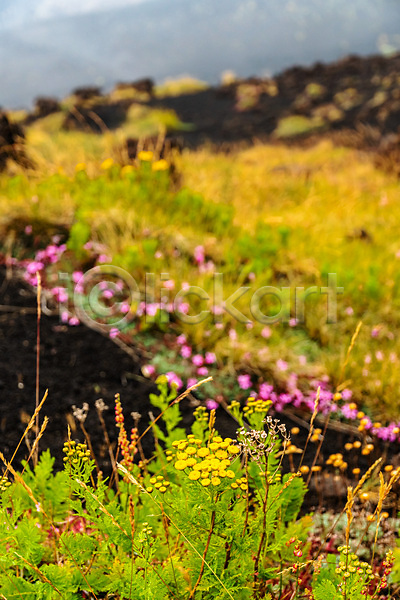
[230, 474]
[182, 445]
[194, 475]
[234, 486]
[160, 165]
[215, 481]
[205, 482]
[80, 167]
[180, 465]
[163, 489]
[107, 164]
[233, 449]
[191, 450]
[127, 169]
[145, 155]
[214, 463]
[221, 454]
[214, 446]
[181, 455]
[191, 462]
[202, 452]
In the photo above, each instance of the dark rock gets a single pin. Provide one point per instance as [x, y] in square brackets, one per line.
[12, 143]
[145, 86]
[87, 93]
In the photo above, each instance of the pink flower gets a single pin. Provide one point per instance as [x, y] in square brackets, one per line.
[125, 308]
[184, 308]
[34, 266]
[266, 332]
[233, 335]
[186, 351]
[28, 230]
[375, 332]
[281, 365]
[151, 309]
[158, 254]
[169, 284]
[349, 413]
[211, 404]
[244, 382]
[347, 394]
[148, 370]
[251, 276]
[103, 258]
[265, 390]
[173, 379]
[60, 294]
[113, 333]
[349, 311]
[302, 359]
[199, 255]
[197, 360]
[77, 276]
[210, 358]
[203, 371]
[293, 322]
[181, 339]
[191, 381]
[108, 294]
[379, 355]
[73, 321]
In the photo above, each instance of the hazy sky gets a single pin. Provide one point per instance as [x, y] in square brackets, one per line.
[48, 47]
[17, 12]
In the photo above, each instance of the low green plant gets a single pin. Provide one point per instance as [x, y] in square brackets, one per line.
[206, 517]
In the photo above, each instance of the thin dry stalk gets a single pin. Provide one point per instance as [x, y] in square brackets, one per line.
[28, 427]
[108, 443]
[349, 349]
[313, 416]
[203, 560]
[39, 314]
[36, 442]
